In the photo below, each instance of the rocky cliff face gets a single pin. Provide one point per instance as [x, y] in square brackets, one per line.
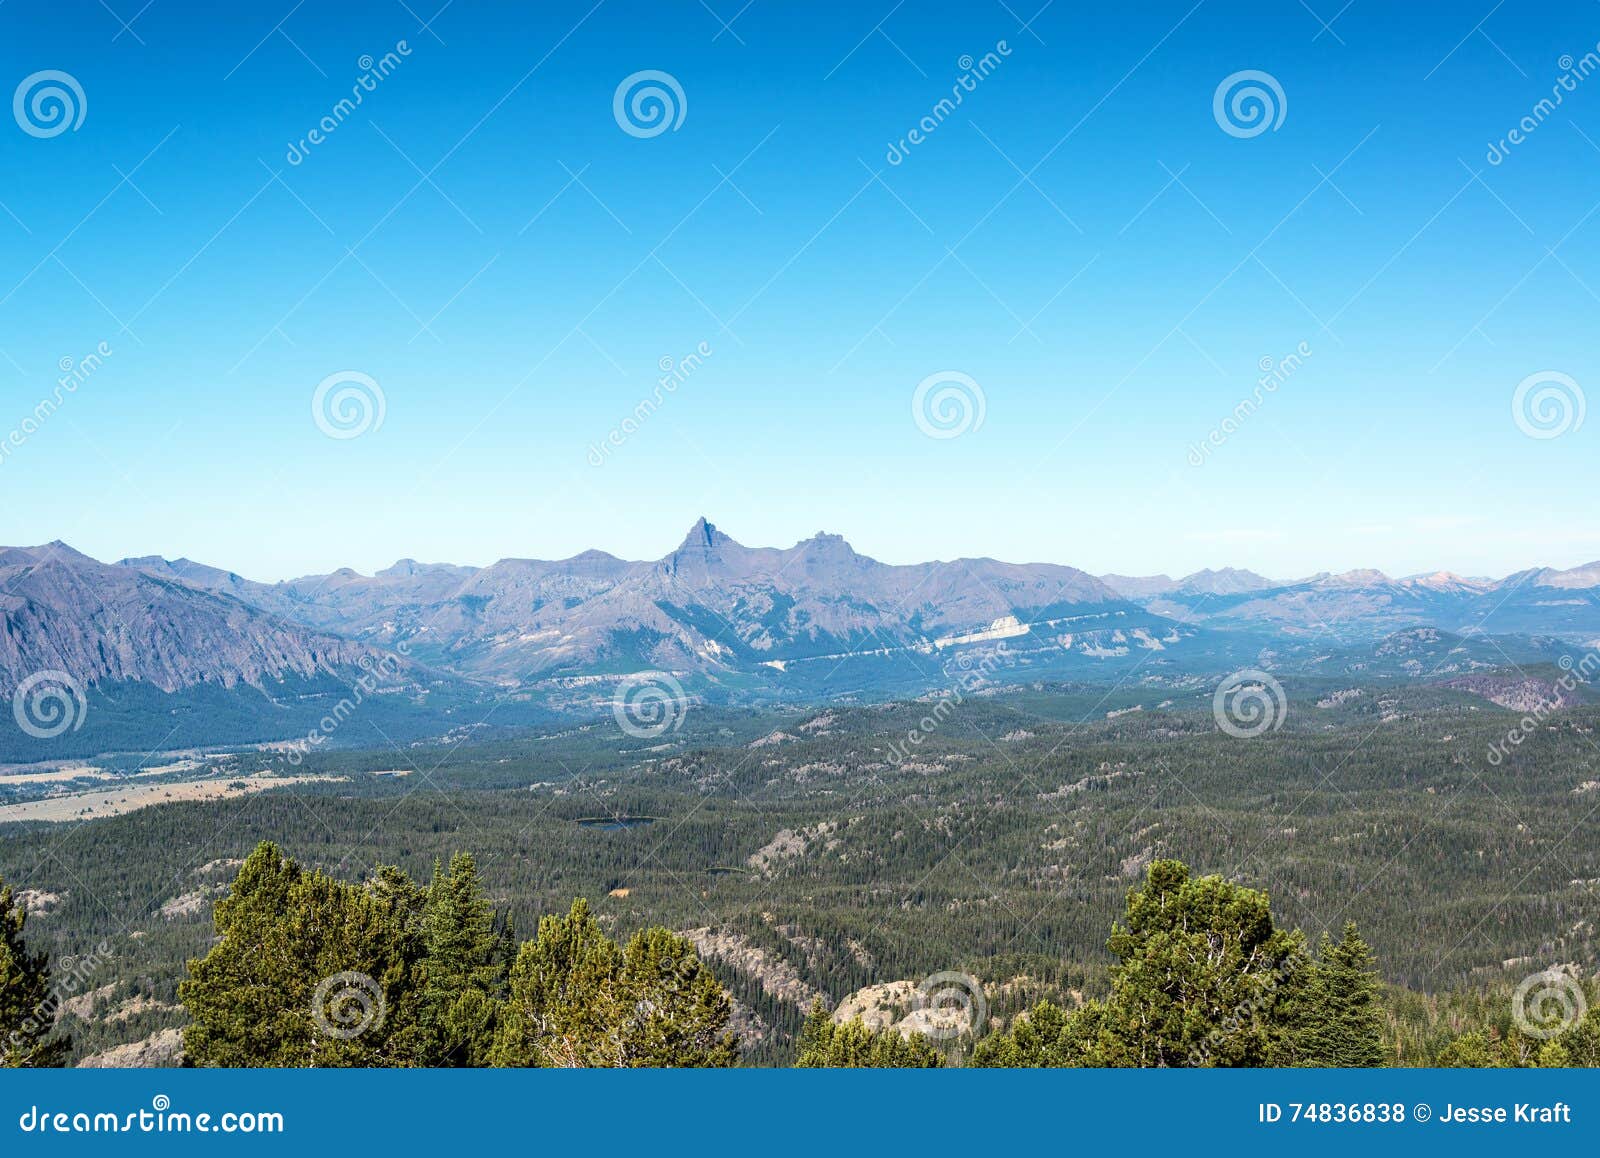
[61, 610]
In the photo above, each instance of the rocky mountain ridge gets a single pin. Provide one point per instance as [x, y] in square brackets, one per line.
[103, 623]
[715, 609]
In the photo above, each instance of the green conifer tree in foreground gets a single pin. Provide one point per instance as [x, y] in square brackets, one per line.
[680, 1012]
[577, 999]
[853, 1045]
[27, 1012]
[463, 967]
[1204, 978]
[1341, 1023]
[311, 971]
[308, 971]
[1047, 1037]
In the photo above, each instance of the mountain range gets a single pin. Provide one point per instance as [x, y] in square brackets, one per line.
[710, 605]
[107, 623]
[812, 619]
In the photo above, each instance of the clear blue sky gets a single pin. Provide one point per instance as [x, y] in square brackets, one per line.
[513, 306]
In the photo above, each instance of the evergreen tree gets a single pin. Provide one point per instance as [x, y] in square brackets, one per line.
[463, 967]
[1046, 1036]
[308, 971]
[1205, 979]
[853, 1045]
[563, 1003]
[1341, 1022]
[578, 1000]
[679, 1010]
[27, 1007]
[1581, 1043]
[1491, 1049]
[1554, 1055]
[1475, 1049]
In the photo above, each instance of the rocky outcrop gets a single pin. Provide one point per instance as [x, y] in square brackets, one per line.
[164, 1048]
[776, 977]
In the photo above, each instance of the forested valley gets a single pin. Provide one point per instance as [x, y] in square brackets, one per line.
[1361, 887]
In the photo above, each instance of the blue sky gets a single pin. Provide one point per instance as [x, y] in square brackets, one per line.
[1080, 238]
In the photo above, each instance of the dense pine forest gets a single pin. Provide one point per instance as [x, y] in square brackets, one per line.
[777, 887]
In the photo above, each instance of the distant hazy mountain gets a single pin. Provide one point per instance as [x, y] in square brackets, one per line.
[1227, 581]
[101, 623]
[1447, 581]
[1587, 575]
[710, 604]
[761, 620]
[1365, 604]
[1139, 586]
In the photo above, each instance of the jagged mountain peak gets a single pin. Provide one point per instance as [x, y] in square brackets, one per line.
[826, 545]
[410, 569]
[707, 555]
[711, 606]
[44, 553]
[704, 536]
